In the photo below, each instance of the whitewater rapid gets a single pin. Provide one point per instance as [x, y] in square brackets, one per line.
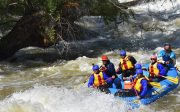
[71, 95]
[52, 99]
[34, 85]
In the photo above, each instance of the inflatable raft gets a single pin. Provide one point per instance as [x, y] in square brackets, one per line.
[170, 82]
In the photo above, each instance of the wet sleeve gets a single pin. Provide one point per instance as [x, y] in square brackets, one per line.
[162, 69]
[107, 78]
[91, 80]
[160, 56]
[144, 88]
[173, 55]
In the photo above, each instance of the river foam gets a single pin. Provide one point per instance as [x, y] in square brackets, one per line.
[53, 99]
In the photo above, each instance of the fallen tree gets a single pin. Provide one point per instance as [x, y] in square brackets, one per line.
[45, 22]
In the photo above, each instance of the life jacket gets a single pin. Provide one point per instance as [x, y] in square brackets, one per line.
[98, 79]
[126, 64]
[153, 69]
[137, 84]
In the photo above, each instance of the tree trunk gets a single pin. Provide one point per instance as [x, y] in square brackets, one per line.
[27, 32]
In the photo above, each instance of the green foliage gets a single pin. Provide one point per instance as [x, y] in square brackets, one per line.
[51, 32]
[11, 10]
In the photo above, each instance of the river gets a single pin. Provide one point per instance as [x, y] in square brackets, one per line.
[33, 83]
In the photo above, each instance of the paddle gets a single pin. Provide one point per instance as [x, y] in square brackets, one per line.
[155, 84]
[172, 79]
[87, 78]
[177, 69]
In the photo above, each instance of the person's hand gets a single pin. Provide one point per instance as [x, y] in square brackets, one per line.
[167, 62]
[124, 78]
[113, 77]
[152, 73]
[103, 68]
[150, 79]
[117, 70]
[94, 87]
[144, 69]
[138, 97]
[130, 76]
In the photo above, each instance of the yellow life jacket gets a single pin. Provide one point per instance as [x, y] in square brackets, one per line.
[153, 69]
[138, 85]
[98, 79]
[126, 64]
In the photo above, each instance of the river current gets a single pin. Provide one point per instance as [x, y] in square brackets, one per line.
[33, 84]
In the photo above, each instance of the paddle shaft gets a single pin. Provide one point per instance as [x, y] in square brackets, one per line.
[177, 69]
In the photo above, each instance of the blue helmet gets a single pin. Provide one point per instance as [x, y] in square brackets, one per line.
[122, 53]
[95, 67]
[139, 71]
[138, 66]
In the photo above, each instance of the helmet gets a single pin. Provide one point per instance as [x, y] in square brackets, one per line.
[122, 53]
[138, 66]
[139, 71]
[104, 58]
[167, 44]
[95, 67]
[154, 57]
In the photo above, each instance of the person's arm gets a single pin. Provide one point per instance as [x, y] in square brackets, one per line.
[132, 59]
[91, 81]
[110, 69]
[162, 69]
[173, 57]
[144, 84]
[107, 78]
[160, 56]
[119, 70]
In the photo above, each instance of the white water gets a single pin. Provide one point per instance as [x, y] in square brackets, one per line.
[52, 99]
[58, 87]
[77, 99]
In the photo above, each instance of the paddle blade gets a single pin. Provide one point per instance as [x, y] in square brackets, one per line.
[155, 84]
[172, 79]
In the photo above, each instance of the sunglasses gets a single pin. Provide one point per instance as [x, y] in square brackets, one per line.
[153, 59]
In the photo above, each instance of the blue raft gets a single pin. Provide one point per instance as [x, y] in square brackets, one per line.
[153, 93]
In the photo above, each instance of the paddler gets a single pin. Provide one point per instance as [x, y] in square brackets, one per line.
[138, 88]
[99, 79]
[156, 69]
[107, 66]
[167, 56]
[140, 84]
[126, 65]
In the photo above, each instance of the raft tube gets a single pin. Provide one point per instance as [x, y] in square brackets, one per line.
[153, 93]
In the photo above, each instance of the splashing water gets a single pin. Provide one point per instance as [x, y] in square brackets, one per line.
[52, 99]
[17, 81]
